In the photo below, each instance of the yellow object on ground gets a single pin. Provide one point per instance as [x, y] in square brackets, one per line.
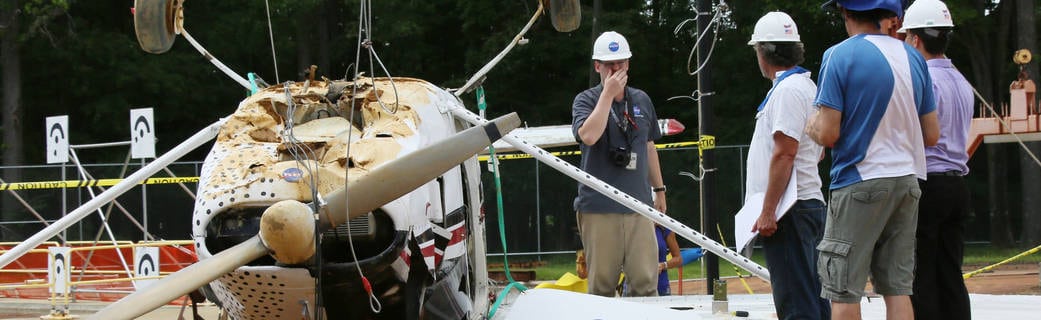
[569, 282]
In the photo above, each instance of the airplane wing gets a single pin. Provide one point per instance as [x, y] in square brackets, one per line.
[559, 136]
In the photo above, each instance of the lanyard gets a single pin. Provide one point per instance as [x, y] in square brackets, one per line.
[784, 75]
[625, 116]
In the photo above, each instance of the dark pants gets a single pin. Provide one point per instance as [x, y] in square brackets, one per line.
[791, 257]
[939, 289]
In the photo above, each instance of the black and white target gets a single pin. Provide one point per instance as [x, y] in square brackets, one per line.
[146, 264]
[58, 269]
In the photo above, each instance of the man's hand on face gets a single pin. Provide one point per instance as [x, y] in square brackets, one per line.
[614, 80]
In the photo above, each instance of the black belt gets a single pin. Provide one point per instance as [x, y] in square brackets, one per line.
[949, 173]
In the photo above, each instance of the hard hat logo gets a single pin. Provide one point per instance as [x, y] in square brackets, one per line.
[775, 27]
[613, 47]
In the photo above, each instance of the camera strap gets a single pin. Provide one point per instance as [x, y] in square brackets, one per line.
[623, 125]
[621, 122]
[626, 119]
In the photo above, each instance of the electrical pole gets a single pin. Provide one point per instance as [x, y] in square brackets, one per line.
[705, 127]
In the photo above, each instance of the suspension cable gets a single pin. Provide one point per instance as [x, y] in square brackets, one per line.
[306, 158]
[271, 37]
[365, 40]
[364, 27]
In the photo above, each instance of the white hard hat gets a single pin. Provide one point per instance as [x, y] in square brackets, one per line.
[927, 14]
[610, 46]
[775, 27]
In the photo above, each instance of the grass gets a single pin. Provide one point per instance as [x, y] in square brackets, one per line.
[987, 255]
[557, 264]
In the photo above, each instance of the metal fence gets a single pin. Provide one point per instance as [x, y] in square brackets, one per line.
[162, 207]
[538, 201]
[537, 207]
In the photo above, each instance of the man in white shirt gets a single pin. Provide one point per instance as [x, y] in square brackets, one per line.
[779, 150]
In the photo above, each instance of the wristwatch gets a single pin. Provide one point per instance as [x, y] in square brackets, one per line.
[658, 189]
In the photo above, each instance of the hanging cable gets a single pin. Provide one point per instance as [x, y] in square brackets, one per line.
[305, 158]
[364, 25]
[365, 40]
[720, 17]
[271, 37]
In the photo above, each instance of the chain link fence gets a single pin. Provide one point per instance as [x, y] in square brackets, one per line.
[537, 209]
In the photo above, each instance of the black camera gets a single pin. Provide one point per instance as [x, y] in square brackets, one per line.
[620, 156]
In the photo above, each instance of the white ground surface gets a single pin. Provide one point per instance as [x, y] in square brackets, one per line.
[548, 304]
[545, 304]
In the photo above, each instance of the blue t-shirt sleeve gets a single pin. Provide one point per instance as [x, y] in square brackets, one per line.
[829, 83]
[580, 110]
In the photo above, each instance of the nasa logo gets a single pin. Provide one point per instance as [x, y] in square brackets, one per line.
[292, 175]
[613, 46]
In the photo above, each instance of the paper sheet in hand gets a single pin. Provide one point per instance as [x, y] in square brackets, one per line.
[745, 219]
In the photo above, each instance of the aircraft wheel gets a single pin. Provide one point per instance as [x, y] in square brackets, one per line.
[154, 24]
[566, 15]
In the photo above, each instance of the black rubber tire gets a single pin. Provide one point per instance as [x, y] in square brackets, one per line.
[154, 25]
[565, 14]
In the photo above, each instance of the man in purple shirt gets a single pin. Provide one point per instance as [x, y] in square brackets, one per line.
[939, 290]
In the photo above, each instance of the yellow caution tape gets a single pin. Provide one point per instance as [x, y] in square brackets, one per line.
[706, 142]
[1013, 258]
[87, 183]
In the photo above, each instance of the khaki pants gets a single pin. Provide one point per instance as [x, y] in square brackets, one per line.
[870, 231]
[616, 243]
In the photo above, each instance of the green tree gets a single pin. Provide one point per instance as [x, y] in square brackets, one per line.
[19, 22]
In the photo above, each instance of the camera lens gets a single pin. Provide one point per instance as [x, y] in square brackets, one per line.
[620, 157]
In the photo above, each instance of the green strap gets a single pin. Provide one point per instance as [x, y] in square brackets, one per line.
[252, 83]
[482, 105]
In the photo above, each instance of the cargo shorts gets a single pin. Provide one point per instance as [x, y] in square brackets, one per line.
[870, 231]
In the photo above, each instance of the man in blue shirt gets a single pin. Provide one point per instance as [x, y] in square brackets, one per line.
[939, 289]
[616, 126]
[877, 113]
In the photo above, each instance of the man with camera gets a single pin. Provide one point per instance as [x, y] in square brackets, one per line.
[616, 126]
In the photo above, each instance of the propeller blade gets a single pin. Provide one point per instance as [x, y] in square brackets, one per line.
[380, 186]
[182, 282]
[399, 177]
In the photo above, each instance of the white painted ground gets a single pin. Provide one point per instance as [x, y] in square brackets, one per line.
[547, 304]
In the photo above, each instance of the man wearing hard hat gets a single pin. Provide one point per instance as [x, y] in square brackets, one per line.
[780, 149]
[877, 113]
[939, 289]
[616, 126]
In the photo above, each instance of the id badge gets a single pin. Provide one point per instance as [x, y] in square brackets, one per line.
[632, 161]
